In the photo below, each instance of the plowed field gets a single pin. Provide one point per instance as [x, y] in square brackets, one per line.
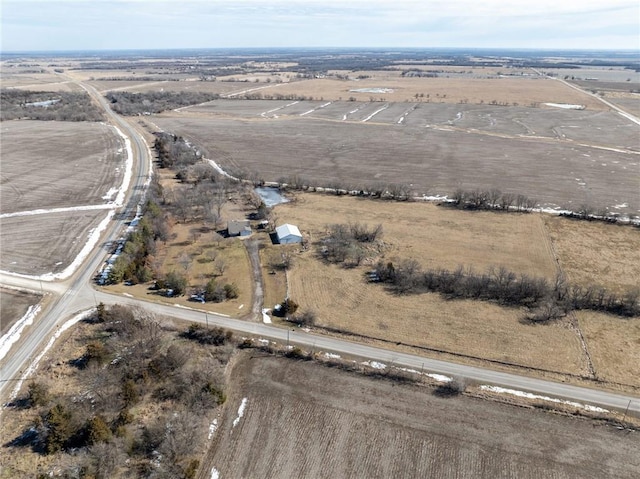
[303, 420]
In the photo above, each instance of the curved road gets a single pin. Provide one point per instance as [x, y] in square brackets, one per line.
[76, 294]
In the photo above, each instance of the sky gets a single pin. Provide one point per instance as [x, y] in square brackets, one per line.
[62, 25]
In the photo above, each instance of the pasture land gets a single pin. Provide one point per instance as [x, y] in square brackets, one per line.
[492, 147]
[51, 164]
[40, 244]
[305, 420]
[592, 253]
[169, 86]
[614, 346]
[503, 91]
[13, 306]
[439, 237]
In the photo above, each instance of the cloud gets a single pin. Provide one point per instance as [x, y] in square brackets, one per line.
[120, 24]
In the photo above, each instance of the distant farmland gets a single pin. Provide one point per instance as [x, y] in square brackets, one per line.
[562, 158]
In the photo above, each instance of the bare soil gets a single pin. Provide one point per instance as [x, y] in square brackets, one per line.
[49, 164]
[13, 306]
[47, 243]
[305, 420]
[502, 148]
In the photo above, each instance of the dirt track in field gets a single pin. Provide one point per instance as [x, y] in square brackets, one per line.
[304, 420]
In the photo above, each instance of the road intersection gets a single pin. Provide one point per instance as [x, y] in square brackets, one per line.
[76, 294]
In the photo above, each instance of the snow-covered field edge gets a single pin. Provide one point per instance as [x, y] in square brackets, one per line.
[13, 335]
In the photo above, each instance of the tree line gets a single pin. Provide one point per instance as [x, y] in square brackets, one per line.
[132, 364]
[544, 300]
[129, 104]
[47, 106]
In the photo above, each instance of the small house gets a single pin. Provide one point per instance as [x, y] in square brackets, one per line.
[288, 234]
[238, 228]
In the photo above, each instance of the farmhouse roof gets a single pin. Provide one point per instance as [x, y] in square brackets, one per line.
[236, 227]
[287, 230]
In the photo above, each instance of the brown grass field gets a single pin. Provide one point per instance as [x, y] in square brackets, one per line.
[51, 164]
[489, 149]
[521, 91]
[13, 306]
[597, 253]
[443, 238]
[308, 421]
[614, 347]
[44, 243]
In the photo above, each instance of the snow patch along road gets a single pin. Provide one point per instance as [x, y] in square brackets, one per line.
[15, 331]
[513, 392]
[34, 365]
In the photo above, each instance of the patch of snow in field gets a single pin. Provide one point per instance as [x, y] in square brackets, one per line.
[513, 392]
[34, 365]
[220, 170]
[214, 473]
[566, 106]
[621, 205]
[241, 409]
[43, 211]
[372, 90]
[15, 331]
[331, 356]
[109, 194]
[375, 113]
[264, 114]
[374, 364]
[314, 109]
[213, 427]
[265, 316]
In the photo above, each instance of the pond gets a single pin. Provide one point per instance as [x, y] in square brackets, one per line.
[271, 196]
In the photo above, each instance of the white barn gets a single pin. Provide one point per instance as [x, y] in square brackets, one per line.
[288, 234]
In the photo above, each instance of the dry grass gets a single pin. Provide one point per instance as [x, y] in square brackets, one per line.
[305, 420]
[343, 299]
[593, 253]
[437, 237]
[197, 255]
[522, 91]
[274, 280]
[614, 345]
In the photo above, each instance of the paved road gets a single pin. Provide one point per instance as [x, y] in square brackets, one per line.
[76, 294]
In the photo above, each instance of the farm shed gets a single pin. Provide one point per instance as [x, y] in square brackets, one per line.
[288, 234]
[238, 228]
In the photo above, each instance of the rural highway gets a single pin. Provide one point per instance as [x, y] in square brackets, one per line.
[77, 294]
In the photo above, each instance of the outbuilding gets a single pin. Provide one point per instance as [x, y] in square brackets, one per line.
[288, 234]
[238, 228]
